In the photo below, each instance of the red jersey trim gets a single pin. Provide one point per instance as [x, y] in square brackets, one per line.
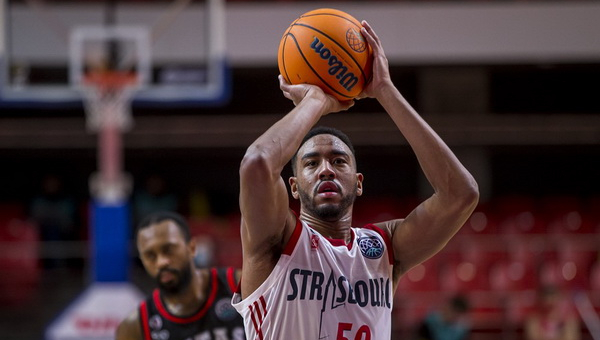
[211, 298]
[338, 242]
[386, 239]
[144, 320]
[291, 245]
[231, 279]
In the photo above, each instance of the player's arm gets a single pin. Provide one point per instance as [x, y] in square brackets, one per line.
[572, 329]
[430, 226]
[267, 222]
[129, 328]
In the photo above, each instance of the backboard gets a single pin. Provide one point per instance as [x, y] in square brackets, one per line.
[182, 52]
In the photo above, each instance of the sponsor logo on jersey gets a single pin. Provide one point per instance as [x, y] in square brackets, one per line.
[314, 242]
[371, 246]
[155, 322]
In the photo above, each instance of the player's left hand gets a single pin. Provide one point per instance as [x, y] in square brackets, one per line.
[381, 69]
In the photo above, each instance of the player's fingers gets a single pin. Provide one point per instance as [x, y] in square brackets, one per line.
[372, 37]
[282, 83]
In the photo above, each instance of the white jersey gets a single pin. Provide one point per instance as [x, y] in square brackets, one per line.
[323, 290]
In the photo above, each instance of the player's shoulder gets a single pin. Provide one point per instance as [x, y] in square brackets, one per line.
[130, 327]
[386, 227]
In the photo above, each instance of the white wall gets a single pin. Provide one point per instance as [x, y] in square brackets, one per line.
[412, 33]
[436, 32]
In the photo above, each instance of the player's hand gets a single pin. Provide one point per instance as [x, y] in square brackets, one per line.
[299, 92]
[381, 69]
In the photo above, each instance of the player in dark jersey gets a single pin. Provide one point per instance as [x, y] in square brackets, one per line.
[190, 302]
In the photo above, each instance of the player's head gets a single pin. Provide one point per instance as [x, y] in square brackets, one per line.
[166, 250]
[324, 174]
[320, 130]
[548, 298]
[456, 307]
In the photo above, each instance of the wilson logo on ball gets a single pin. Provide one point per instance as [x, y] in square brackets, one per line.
[337, 68]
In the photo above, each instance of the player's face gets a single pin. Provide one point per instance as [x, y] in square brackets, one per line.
[166, 255]
[326, 180]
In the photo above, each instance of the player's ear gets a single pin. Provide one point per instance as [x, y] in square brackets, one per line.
[293, 187]
[192, 245]
[359, 183]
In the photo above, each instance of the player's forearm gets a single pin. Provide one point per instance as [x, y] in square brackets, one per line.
[447, 175]
[279, 143]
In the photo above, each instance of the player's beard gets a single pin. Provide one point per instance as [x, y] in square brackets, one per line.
[182, 281]
[330, 211]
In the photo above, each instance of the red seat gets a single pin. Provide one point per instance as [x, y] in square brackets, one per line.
[487, 310]
[372, 210]
[580, 249]
[565, 214]
[510, 276]
[518, 215]
[463, 276]
[18, 261]
[423, 277]
[481, 221]
[567, 275]
[594, 278]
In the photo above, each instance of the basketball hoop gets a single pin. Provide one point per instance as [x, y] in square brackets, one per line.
[107, 99]
[107, 65]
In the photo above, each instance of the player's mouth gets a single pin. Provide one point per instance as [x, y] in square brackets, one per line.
[167, 275]
[328, 189]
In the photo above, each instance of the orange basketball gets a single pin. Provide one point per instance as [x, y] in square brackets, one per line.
[324, 47]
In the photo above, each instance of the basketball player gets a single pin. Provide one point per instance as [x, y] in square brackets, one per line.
[312, 275]
[189, 303]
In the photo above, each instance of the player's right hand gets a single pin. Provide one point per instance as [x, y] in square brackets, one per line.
[300, 92]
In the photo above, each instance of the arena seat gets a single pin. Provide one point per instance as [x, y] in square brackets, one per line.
[463, 277]
[508, 276]
[377, 209]
[518, 215]
[481, 221]
[565, 214]
[423, 277]
[19, 263]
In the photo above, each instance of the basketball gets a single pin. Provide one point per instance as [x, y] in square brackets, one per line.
[325, 47]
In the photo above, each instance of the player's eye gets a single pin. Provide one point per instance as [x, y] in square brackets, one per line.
[149, 256]
[167, 250]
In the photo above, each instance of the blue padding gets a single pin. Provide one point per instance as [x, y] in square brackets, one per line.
[110, 238]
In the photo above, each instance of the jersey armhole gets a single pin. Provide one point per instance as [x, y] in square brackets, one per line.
[144, 321]
[291, 244]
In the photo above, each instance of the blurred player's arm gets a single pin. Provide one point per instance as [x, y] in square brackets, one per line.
[430, 226]
[267, 222]
[129, 328]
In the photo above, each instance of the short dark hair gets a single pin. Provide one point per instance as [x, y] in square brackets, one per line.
[322, 130]
[160, 216]
[460, 303]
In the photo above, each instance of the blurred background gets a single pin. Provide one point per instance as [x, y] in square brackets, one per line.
[510, 85]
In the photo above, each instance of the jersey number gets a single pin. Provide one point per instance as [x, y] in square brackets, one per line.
[363, 332]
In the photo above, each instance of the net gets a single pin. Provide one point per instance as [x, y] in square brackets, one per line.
[107, 99]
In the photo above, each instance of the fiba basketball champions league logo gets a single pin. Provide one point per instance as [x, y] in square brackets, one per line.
[371, 247]
[355, 40]
[337, 67]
